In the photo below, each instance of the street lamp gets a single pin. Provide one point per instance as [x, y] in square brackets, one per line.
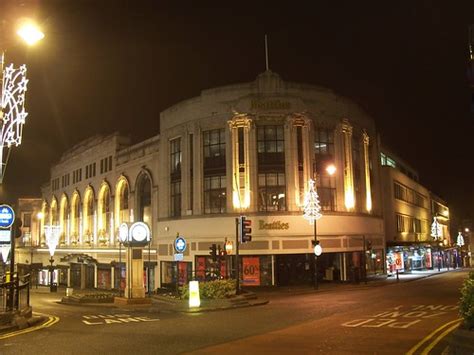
[312, 212]
[436, 233]
[52, 239]
[12, 97]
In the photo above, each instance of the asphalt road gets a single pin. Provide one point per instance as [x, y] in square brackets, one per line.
[373, 320]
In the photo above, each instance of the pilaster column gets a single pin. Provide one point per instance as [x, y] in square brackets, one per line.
[198, 179]
[241, 181]
[185, 172]
[293, 187]
[368, 189]
[348, 167]
[291, 165]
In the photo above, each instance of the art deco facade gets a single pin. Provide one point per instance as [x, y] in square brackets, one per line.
[240, 149]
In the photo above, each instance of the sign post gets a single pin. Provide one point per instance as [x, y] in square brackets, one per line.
[180, 247]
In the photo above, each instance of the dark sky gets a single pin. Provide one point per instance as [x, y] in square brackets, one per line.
[114, 65]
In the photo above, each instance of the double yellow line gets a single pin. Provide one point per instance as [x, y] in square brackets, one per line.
[450, 326]
[51, 320]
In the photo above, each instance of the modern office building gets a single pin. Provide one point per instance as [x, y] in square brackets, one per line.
[245, 149]
[409, 212]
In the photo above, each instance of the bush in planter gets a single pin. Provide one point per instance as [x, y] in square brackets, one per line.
[466, 304]
[212, 289]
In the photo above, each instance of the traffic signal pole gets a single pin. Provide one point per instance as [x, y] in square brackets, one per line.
[237, 265]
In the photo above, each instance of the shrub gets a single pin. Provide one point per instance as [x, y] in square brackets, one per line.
[212, 289]
[466, 304]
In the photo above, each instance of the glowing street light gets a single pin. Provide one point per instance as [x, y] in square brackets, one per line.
[30, 33]
[331, 169]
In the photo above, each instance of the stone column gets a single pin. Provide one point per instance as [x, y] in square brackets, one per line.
[242, 183]
[339, 163]
[291, 165]
[69, 276]
[134, 275]
[95, 276]
[198, 179]
[368, 189]
[349, 201]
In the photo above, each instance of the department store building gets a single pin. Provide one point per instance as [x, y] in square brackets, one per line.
[245, 149]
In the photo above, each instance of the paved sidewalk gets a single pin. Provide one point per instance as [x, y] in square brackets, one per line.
[326, 286]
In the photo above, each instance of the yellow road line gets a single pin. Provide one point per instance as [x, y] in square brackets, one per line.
[441, 336]
[52, 320]
[428, 337]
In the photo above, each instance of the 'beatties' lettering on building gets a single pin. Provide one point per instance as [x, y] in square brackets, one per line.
[270, 105]
[273, 225]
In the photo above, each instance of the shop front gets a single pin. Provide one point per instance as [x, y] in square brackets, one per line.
[408, 258]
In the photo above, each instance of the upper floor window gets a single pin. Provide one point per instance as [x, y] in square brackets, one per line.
[214, 149]
[270, 145]
[175, 157]
[271, 192]
[323, 157]
[106, 164]
[215, 194]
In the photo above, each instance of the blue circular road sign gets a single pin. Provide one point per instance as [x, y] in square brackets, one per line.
[180, 244]
[7, 216]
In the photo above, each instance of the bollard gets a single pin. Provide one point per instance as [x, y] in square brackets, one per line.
[398, 279]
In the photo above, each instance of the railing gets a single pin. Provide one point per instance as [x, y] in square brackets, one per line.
[15, 294]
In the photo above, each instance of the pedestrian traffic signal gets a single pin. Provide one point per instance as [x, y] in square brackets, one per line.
[213, 251]
[245, 230]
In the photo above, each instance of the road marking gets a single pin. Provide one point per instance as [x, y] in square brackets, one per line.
[102, 319]
[438, 339]
[432, 334]
[52, 320]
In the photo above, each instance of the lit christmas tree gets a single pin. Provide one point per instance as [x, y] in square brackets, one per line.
[311, 207]
[460, 240]
[436, 231]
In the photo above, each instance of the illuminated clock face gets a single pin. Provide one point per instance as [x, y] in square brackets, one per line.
[123, 232]
[139, 232]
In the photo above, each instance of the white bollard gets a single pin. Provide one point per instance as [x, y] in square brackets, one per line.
[194, 298]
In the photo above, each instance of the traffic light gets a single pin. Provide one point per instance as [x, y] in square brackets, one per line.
[245, 230]
[213, 251]
[16, 227]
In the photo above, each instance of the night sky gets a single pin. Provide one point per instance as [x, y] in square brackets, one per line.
[108, 66]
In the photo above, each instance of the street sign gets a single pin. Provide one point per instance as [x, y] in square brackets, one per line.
[180, 244]
[7, 216]
[5, 236]
[178, 257]
[5, 250]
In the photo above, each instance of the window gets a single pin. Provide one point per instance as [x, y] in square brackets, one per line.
[409, 195]
[271, 192]
[214, 148]
[175, 175]
[271, 168]
[214, 169]
[55, 184]
[106, 164]
[175, 156]
[27, 220]
[175, 194]
[90, 170]
[215, 194]
[323, 156]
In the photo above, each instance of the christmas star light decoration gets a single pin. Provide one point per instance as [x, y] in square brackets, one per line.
[12, 111]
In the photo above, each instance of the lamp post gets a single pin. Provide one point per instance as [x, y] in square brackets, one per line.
[436, 234]
[312, 212]
[52, 240]
[12, 98]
